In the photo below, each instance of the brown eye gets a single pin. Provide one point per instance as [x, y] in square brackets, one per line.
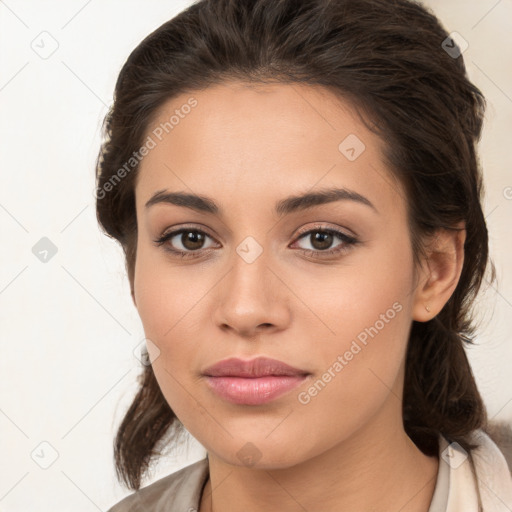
[321, 241]
[184, 242]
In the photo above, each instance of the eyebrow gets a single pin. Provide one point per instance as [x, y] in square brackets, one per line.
[285, 206]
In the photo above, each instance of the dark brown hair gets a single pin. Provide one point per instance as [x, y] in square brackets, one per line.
[388, 59]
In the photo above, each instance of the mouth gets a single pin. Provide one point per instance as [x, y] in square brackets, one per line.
[253, 382]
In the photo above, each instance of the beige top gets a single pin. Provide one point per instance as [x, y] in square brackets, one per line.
[456, 489]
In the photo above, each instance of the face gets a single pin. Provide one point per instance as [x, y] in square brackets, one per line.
[324, 285]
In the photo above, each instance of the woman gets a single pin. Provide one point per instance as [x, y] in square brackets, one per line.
[296, 189]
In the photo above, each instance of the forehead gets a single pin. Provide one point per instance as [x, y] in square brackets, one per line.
[261, 138]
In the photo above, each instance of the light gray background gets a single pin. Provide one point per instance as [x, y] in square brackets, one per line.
[68, 326]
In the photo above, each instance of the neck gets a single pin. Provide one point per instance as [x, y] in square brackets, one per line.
[375, 469]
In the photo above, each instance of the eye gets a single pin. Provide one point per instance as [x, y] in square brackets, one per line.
[184, 242]
[320, 239]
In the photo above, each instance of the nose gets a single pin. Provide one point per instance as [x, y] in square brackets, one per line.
[252, 298]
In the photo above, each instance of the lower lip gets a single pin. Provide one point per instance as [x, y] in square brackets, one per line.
[253, 391]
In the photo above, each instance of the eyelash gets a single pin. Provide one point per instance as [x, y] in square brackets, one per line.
[347, 240]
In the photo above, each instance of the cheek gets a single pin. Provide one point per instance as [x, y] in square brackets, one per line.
[164, 293]
[163, 305]
[360, 366]
[361, 294]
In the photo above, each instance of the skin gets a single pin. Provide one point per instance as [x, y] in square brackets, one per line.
[246, 147]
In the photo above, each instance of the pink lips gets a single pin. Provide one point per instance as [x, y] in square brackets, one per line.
[253, 382]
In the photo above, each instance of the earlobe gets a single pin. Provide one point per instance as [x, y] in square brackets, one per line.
[440, 272]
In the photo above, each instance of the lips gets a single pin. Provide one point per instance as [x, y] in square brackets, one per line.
[254, 382]
[259, 367]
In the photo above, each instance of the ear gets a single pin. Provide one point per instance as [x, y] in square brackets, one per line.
[439, 273]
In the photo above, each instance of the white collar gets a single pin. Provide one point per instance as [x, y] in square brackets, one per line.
[481, 482]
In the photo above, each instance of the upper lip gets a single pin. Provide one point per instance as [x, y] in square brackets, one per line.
[259, 367]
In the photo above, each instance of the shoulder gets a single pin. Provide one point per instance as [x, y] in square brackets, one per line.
[178, 491]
